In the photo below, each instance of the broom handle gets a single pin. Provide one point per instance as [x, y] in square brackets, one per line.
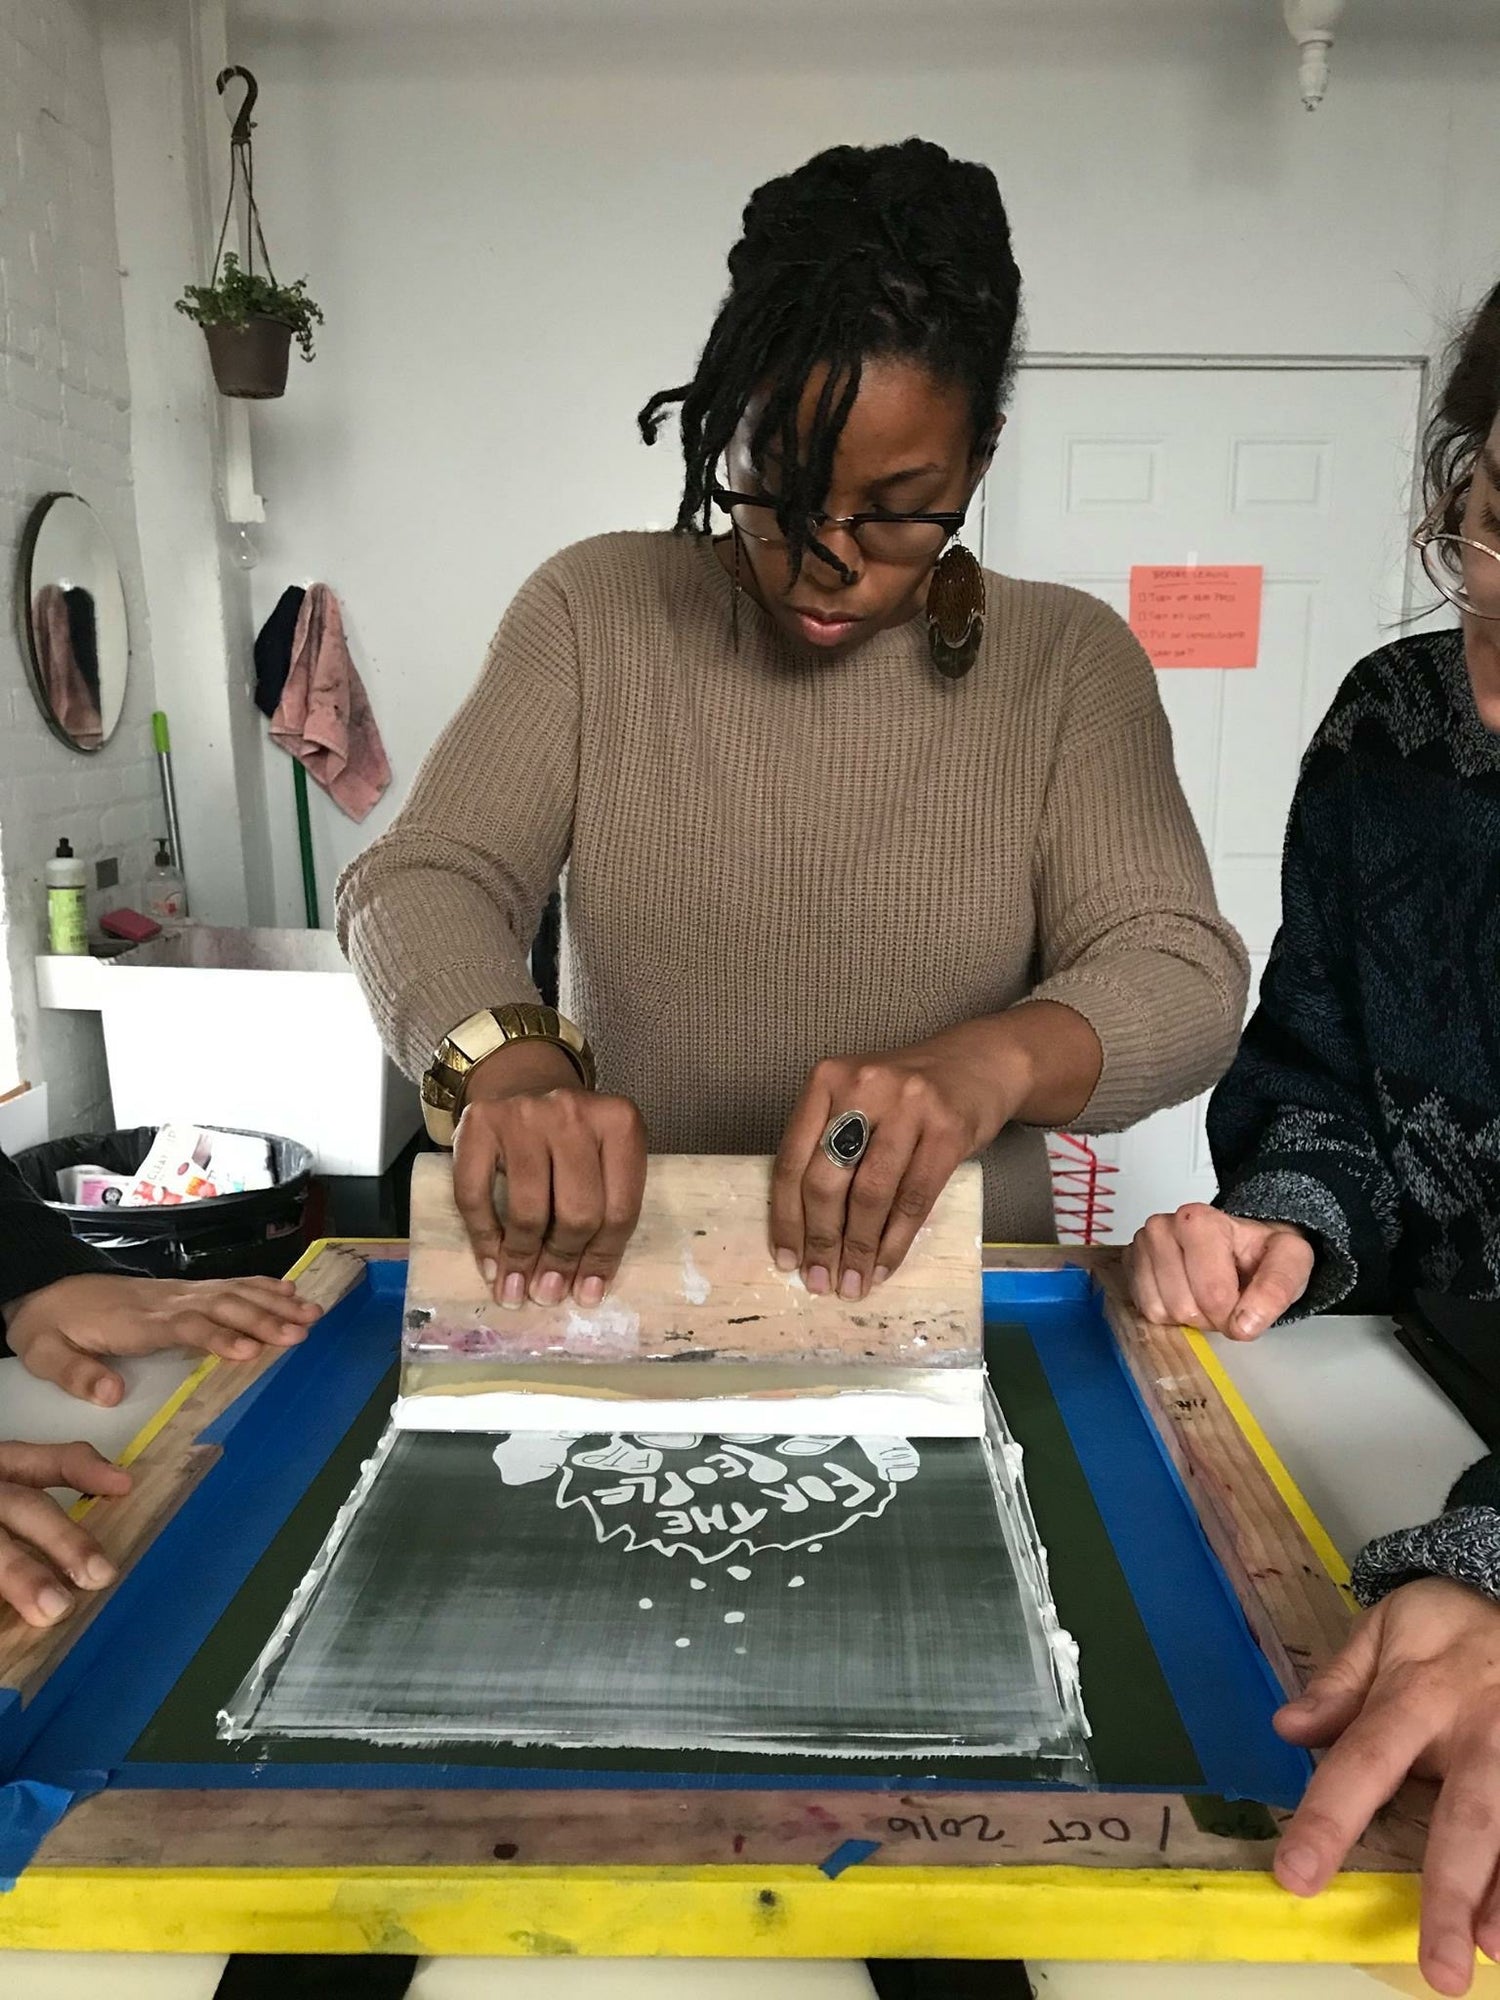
[304, 842]
[162, 738]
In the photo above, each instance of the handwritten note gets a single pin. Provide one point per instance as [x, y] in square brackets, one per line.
[1206, 615]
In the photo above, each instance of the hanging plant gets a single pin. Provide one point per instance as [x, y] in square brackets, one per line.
[250, 323]
[249, 319]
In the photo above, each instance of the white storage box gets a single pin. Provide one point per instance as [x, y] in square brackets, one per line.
[257, 1030]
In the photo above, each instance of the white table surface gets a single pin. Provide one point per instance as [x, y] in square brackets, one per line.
[1371, 1440]
[1372, 1443]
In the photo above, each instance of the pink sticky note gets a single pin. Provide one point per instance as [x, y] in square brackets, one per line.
[1206, 615]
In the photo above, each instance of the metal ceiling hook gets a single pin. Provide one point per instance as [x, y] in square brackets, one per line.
[243, 126]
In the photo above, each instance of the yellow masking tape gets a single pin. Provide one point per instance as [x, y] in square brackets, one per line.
[740, 1912]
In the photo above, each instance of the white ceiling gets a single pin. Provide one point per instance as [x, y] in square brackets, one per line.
[788, 22]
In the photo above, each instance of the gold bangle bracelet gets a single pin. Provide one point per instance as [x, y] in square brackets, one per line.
[468, 1045]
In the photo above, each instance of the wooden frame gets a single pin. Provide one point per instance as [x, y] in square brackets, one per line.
[723, 1873]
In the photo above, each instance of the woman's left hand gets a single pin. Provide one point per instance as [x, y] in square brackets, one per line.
[930, 1107]
[1415, 1692]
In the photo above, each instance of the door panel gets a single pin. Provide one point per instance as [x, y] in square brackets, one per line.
[1304, 470]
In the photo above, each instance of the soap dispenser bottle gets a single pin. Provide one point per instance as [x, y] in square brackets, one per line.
[166, 892]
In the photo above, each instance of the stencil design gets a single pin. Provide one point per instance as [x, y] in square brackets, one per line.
[714, 1497]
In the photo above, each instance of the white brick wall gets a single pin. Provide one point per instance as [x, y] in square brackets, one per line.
[64, 425]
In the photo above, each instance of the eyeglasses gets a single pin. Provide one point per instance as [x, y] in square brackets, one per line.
[1464, 571]
[884, 538]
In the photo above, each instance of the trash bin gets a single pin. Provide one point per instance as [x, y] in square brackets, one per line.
[259, 1233]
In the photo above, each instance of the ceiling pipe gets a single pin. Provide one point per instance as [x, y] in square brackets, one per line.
[1310, 24]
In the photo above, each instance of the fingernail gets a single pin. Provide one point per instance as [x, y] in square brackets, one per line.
[550, 1288]
[786, 1260]
[817, 1279]
[243, 1349]
[515, 1289]
[489, 1270]
[52, 1602]
[591, 1291]
[1297, 1865]
[881, 1274]
[1453, 1965]
[107, 1392]
[1245, 1326]
[852, 1285]
[96, 1572]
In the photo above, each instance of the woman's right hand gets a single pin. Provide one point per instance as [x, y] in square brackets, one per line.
[1220, 1273]
[575, 1171]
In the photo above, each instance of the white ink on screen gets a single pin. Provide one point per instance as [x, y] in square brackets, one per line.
[714, 1497]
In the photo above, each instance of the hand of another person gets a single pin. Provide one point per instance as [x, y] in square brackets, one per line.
[41, 1550]
[1220, 1273]
[575, 1173]
[930, 1107]
[1416, 1691]
[61, 1331]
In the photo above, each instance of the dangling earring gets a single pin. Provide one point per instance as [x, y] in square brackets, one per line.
[734, 595]
[955, 612]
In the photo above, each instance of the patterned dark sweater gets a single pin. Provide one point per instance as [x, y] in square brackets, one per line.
[1364, 1103]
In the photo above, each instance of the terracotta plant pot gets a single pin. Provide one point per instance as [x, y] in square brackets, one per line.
[250, 360]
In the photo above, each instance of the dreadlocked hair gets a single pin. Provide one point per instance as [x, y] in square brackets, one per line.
[864, 252]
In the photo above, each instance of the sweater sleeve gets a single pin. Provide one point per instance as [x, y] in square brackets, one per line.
[1291, 1127]
[438, 916]
[1129, 933]
[36, 1245]
[1463, 1543]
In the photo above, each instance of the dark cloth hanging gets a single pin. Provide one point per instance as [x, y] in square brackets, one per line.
[83, 631]
[37, 1247]
[273, 649]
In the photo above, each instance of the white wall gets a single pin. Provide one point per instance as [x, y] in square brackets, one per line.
[160, 58]
[517, 218]
[64, 424]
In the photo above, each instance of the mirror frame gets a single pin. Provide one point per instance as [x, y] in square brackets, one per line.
[30, 536]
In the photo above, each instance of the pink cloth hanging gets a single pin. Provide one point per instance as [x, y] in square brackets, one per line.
[74, 709]
[324, 718]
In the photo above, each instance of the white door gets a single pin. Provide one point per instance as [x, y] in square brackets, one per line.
[1305, 470]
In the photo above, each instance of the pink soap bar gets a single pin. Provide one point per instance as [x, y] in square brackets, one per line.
[129, 924]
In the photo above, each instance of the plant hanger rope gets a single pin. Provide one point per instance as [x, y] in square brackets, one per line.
[242, 174]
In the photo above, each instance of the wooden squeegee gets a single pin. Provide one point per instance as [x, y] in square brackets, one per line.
[700, 1332]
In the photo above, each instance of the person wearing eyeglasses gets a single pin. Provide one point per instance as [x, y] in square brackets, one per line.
[875, 861]
[1357, 1144]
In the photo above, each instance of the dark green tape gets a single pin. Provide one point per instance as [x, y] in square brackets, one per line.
[1231, 1819]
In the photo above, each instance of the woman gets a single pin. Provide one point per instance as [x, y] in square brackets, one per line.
[1357, 1143]
[872, 858]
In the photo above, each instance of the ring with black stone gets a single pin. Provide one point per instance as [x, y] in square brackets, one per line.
[847, 1138]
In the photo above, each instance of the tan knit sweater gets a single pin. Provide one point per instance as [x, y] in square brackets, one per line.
[775, 857]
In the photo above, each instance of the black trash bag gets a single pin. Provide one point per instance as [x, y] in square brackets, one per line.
[258, 1234]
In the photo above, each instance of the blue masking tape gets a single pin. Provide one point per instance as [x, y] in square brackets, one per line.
[276, 1438]
[846, 1855]
[183, 1581]
[1220, 1680]
[269, 1775]
[29, 1809]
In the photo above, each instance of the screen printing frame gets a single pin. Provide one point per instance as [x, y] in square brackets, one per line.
[724, 1872]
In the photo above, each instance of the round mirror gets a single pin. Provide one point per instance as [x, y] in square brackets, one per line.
[75, 621]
